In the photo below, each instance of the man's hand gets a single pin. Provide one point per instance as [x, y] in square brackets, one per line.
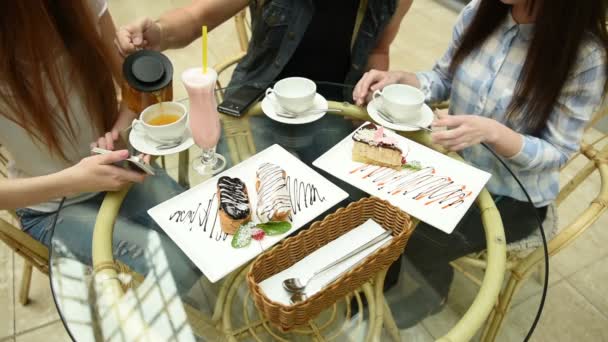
[144, 33]
[372, 81]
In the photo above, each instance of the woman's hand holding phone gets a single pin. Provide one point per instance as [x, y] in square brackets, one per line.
[97, 173]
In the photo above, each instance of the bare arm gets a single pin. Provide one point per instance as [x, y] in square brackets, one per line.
[379, 57]
[91, 174]
[23, 192]
[181, 26]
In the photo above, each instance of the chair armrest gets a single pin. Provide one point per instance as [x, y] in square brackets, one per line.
[222, 66]
[24, 244]
[569, 234]
[106, 271]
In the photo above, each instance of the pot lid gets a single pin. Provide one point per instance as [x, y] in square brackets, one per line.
[147, 70]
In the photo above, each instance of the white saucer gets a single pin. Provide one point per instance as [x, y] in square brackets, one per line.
[268, 107]
[145, 145]
[424, 119]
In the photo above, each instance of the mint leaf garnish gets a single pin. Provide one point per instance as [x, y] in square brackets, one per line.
[275, 227]
[413, 165]
[242, 237]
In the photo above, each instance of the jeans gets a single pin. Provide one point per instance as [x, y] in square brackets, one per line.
[133, 231]
[431, 250]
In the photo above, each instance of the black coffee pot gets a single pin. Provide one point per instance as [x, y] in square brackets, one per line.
[149, 79]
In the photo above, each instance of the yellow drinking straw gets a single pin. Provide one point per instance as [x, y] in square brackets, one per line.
[204, 49]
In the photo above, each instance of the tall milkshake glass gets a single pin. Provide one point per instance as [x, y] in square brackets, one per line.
[204, 118]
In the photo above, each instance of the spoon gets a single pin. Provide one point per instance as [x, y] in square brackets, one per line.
[294, 285]
[291, 115]
[298, 297]
[389, 118]
[169, 144]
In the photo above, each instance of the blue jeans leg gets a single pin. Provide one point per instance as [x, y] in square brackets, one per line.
[136, 237]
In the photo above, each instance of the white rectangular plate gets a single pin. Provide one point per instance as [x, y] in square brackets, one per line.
[191, 218]
[438, 194]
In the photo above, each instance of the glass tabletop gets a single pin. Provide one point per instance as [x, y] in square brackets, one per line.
[168, 298]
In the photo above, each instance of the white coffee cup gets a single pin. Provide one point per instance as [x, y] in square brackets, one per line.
[296, 94]
[163, 133]
[402, 102]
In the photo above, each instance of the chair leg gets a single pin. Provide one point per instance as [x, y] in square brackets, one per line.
[26, 280]
[501, 309]
[183, 169]
[540, 273]
[389, 323]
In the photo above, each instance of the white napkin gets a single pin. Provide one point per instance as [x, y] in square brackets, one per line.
[303, 269]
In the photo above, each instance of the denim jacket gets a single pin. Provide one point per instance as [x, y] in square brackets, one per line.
[278, 27]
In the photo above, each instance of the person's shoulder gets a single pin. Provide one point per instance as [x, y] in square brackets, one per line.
[99, 7]
[468, 12]
[470, 8]
[592, 52]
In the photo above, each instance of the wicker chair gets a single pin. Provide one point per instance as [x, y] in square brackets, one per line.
[525, 257]
[33, 252]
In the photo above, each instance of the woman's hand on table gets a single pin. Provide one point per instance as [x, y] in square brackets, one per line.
[464, 130]
[375, 79]
[96, 173]
[468, 130]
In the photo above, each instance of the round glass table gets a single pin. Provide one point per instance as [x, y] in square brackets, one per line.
[162, 296]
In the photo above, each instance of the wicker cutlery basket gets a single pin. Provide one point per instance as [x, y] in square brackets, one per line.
[320, 233]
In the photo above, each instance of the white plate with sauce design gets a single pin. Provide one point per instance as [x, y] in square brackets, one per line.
[191, 219]
[432, 187]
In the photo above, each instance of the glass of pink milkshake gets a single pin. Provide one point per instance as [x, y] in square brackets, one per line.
[204, 118]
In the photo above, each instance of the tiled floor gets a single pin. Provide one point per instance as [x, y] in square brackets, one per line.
[577, 306]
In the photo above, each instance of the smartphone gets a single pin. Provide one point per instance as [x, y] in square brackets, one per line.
[240, 100]
[133, 162]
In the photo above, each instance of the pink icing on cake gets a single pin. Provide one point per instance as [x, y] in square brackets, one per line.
[380, 138]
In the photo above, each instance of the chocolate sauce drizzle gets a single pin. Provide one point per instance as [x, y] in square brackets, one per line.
[202, 217]
[273, 196]
[233, 197]
[205, 215]
[302, 193]
[423, 184]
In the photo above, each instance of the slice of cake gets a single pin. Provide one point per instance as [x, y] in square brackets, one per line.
[373, 146]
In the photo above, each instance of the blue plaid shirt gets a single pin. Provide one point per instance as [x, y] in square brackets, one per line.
[484, 85]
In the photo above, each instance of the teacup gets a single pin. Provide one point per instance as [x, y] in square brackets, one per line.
[295, 94]
[402, 102]
[163, 133]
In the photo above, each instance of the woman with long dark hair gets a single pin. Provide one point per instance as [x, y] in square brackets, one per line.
[524, 77]
[57, 98]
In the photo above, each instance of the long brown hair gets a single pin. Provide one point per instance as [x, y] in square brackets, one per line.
[34, 35]
[561, 27]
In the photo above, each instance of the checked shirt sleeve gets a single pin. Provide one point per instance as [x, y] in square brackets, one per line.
[581, 96]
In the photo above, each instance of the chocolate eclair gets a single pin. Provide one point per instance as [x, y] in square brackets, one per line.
[234, 206]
